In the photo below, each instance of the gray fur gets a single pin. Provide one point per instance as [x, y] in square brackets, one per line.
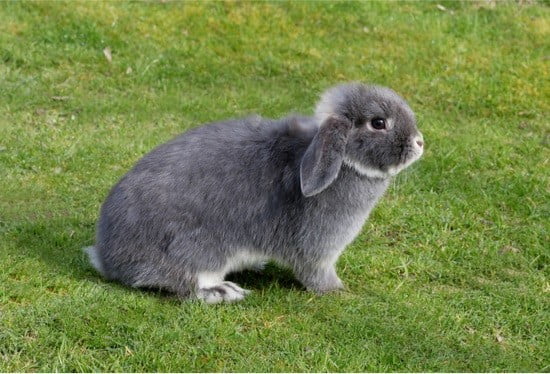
[273, 188]
[323, 158]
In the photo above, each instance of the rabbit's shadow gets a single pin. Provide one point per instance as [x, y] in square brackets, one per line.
[271, 275]
[58, 243]
[254, 280]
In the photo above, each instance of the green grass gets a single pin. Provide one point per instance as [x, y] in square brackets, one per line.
[450, 273]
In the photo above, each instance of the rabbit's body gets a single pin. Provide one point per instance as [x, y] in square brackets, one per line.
[229, 196]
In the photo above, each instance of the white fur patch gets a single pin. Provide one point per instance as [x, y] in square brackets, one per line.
[241, 261]
[392, 170]
[245, 260]
[365, 170]
[209, 281]
[225, 291]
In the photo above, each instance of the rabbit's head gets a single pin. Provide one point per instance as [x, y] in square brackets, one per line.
[369, 128]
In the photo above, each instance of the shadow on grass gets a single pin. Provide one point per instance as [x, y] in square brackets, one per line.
[58, 243]
[271, 276]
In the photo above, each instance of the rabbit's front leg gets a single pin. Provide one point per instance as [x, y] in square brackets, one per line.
[319, 277]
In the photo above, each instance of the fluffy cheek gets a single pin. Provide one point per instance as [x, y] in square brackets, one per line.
[380, 158]
[411, 153]
[371, 158]
[381, 155]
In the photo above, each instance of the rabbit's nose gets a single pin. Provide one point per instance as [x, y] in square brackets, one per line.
[420, 143]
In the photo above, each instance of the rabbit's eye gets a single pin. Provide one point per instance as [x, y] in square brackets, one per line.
[378, 123]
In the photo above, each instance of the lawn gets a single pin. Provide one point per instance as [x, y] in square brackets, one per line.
[451, 272]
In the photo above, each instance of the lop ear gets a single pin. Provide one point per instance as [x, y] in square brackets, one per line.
[323, 158]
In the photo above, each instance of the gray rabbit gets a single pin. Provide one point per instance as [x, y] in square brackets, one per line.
[233, 195]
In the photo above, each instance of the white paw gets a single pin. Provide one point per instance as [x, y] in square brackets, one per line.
[224, 292]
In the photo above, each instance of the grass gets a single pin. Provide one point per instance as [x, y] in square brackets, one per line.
[451, 271]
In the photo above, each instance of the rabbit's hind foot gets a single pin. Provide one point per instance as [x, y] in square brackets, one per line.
[222, 292]
[213, 289]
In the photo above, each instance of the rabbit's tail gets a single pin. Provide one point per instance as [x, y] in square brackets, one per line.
[93, 256]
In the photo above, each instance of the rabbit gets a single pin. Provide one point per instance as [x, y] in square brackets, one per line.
[235, 194]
